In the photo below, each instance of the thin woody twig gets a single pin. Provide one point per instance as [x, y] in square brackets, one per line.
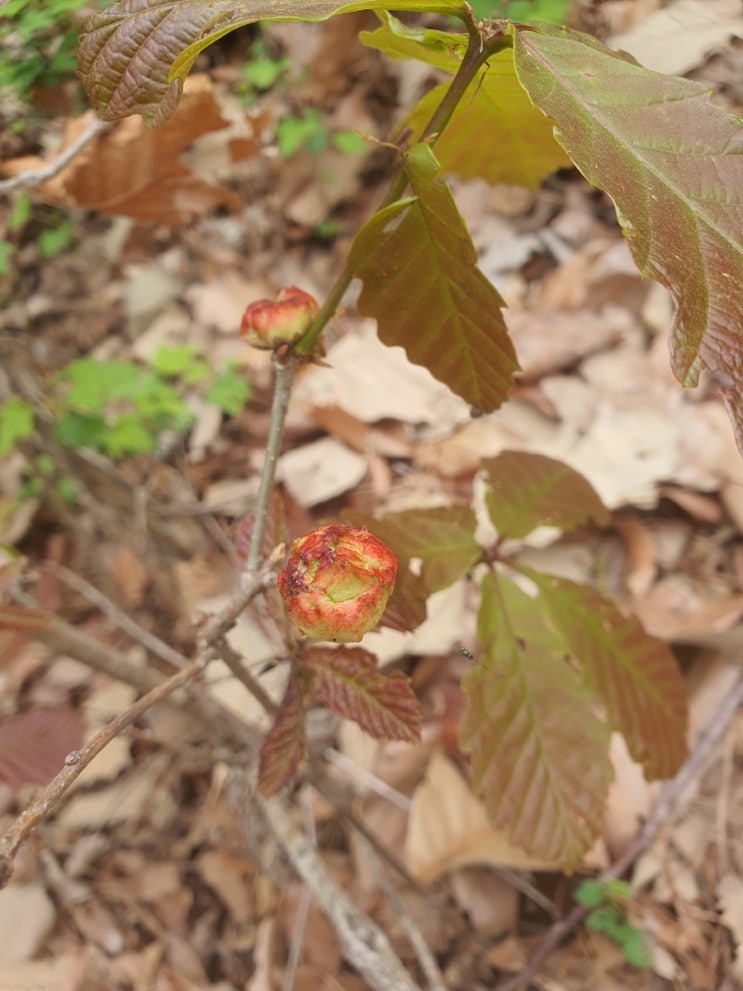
[664, 808]
[78, 760]
[26, 180]
[362, 942]
[124, 622]
[234, 662]
[416, 938]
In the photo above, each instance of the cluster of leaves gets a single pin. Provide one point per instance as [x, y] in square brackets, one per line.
[122, 408]
[607, 916]
[559, 667]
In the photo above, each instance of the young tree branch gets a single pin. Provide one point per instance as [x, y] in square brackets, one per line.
[26, 180]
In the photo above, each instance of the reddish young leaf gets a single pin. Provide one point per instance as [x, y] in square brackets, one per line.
[284, 747]
[135, 54]
[526, 491]
[539, 751]
[443, 538]
[33, 746]
[635, 675]
[671, 161]
[22, 618]
[423, 286]
[350, 684]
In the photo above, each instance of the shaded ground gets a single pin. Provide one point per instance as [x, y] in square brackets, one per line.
[155, 873]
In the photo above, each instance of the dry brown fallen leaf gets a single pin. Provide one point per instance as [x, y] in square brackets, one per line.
[135, 171]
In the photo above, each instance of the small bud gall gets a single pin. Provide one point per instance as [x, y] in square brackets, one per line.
[269, 323]
[337, 582]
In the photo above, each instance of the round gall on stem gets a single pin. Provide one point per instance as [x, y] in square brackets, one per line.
[337, 582]
[269, 323]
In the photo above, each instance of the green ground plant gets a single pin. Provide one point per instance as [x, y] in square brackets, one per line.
[122, 408]
[558, 667]
[608, 904]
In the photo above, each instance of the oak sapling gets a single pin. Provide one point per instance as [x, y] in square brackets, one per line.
[269, 324]
[337, 582]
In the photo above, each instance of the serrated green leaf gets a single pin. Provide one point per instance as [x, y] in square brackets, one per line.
[539, 751]
[230, 391]
[589, 893]
[81, 430]
[349, 682]
[443, 538]
[127, 435]
[495, 133]
[422, 284]
[93, 384]
[16, 423]
[526, 491]
[135, 54]
[634, 675]
[171, 361]
[284, 747]
[672, 162]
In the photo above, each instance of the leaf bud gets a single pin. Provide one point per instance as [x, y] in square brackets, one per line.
[337, 582]
[269, 323]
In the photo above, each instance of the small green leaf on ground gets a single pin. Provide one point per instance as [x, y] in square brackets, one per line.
[16, 423]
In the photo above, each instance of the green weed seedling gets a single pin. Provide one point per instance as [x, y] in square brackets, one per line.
[608, 901]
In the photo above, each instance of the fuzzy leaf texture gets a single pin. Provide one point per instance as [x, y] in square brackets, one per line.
[443, 538]
[634, 675]
[423, 286]
[495, 103]
[135, 54]
[526, 491]
[539, 751]
[284, 747]
[672, 162]
[350, 684]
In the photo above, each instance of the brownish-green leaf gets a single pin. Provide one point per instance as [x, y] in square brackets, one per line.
[526, 491]
[284, 747]
[673, 164]
[539, 751]
[495, 133]
[135, 54]
[350, 684]
[422, 284]
[635, 675]
[443, 538]
[22, 618]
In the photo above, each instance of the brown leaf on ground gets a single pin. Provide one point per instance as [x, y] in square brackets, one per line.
[134, 171]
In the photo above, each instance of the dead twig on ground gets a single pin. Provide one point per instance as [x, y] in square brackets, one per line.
[78, 760]
[665, 806]
[362, 942]
[27, 180]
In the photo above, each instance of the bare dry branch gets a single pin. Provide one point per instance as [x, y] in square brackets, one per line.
[77, 761]
[362, 942]
[27, 180]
